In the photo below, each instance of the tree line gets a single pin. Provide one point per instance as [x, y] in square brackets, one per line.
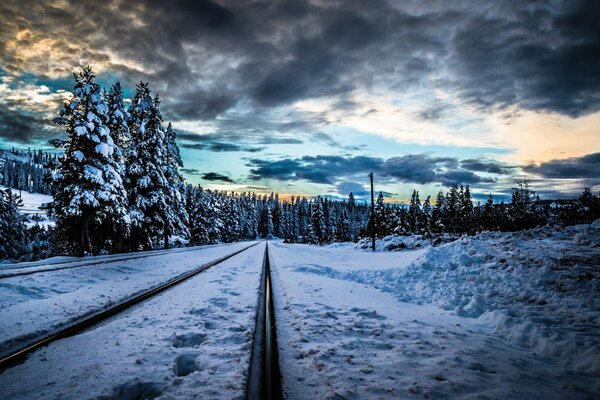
[117, 188]
[22, 170]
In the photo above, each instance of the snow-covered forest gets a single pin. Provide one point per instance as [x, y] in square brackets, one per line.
[116, 187]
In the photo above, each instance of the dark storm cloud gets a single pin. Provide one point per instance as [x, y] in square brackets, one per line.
[214, 176]
[207, 59]
[417, 168]
[190, 171]
[493, 167]
[586, 167]
[540, 56]
[220, 147]
[24, 127]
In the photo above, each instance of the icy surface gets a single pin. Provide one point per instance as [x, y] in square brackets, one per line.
[32, 304]
[192, 341]
[499, 315]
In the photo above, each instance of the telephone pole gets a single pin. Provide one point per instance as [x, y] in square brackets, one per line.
[372, 214]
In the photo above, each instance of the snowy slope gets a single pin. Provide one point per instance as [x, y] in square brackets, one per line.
[31, 304]
[538, 288]
[499, 315]
[192, 341]
[32, 202]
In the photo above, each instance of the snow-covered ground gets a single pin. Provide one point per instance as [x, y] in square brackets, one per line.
[32, 202]
[494, 316]
[32, 208]
[192, 341]
[32, 304]
[498, 315]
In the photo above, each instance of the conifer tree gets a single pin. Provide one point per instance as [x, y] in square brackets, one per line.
[149, 188]
[177, 216]
[317, 229]
[88, 188]
[426, 216]
[119, 131]
[380, 219]
[13, 233]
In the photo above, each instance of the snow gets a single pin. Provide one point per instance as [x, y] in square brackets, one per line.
[78, 155]
[192, 341]
[104, 149]
[50, 299]
[81, 130]
[32, 202]
[495, 315]
[498, 315]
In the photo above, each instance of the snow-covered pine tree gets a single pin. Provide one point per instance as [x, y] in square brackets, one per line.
[317, 229]
[342, 228]
[380, 220]
[13, 233]
[426, 216]
[119, 131]
[414, 213]
[178, 217]
[87, 188]
[353, 226]
[149, 206]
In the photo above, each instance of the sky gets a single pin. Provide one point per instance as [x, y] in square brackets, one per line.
[309, 96]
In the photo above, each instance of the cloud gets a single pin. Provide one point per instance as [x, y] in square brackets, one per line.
[492, 167]
[214, 176]
[545, 57]
[24, 127]
[208, 60]
[585, 167]
[345, 188]
[220, 147]
[335, 170]
[190, 171]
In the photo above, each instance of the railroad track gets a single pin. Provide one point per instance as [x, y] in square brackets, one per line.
[28, 270]
[264, 378]
[17, 354]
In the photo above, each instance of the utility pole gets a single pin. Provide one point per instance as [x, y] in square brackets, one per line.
[372, 213]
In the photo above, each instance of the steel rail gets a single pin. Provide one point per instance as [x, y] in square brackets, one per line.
[8, 360]
[264, 378]
[84, 263]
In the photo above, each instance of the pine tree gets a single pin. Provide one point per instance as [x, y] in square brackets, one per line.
[317, 229]
[342, 228]
[380, 220]
[426, 218]
[177, 216]
[87, 187]
[149, 188]
[439, 213]
[13, 233]
[414, 213]
[119, 132]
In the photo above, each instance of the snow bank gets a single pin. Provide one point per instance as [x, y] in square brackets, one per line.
[538, 288]
[399, 243]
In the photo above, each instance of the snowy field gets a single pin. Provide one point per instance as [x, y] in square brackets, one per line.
[192, 341]
[498, 315]
[494, 316]
[31, 305]
[32, 202]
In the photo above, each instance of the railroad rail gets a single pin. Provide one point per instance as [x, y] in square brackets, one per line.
[264, 378]
[19, 354]
[28, 270]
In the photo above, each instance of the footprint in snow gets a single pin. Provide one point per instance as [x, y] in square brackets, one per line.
[218, 301]
[190, 339]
